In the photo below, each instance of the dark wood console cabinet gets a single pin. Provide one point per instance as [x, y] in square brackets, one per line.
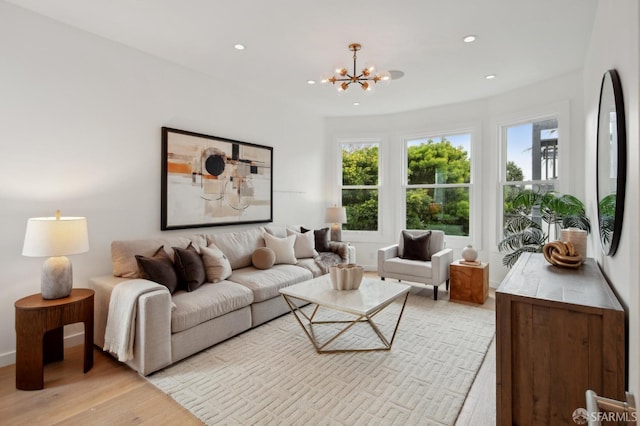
[559, 332]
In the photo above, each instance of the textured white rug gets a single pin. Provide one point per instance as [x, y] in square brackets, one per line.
[273, 375]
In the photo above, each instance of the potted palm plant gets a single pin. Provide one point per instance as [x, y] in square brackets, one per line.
[524, 230]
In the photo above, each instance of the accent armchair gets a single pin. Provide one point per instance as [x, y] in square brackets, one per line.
[393, 263]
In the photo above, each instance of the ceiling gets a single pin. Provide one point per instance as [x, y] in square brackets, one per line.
[291, 41]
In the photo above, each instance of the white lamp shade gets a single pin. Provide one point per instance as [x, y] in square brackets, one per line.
[336, 215]
[50, 236]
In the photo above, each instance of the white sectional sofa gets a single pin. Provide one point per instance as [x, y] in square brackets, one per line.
[171, 327]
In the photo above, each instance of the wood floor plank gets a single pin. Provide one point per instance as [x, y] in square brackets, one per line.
[112, 394]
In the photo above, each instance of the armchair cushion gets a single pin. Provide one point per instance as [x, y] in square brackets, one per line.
[416, 247]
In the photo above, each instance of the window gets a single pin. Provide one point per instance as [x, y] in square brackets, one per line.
[530, 162]
[438, 183]
[360, 185]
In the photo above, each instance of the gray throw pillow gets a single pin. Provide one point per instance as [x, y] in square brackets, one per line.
[416, 247]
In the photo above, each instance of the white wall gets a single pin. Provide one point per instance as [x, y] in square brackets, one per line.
[615, 44]
[81, 118]
[562, 94]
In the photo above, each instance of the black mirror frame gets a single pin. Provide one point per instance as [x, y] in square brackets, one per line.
[621, 161]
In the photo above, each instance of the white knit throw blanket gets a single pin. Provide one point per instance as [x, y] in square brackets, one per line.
[121, 321]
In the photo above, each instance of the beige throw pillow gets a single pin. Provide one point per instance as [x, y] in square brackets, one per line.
[304, 245]
[282, 247]
[216, 264]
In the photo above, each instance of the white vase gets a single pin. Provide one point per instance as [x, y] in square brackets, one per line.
[469, 253]
[578, 238]
[346, 276]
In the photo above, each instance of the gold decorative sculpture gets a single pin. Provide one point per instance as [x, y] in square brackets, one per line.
[562, 253]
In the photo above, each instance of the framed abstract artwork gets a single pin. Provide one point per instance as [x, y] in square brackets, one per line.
[212, 181]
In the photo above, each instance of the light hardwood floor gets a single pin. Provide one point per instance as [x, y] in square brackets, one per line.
[112, 394]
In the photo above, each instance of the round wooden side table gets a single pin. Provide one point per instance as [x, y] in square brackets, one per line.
[39, 333]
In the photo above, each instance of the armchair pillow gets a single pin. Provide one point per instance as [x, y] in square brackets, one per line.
[416, 247]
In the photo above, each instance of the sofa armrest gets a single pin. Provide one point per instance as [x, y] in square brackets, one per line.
[341, 249]
[440, 265]
[386, 253]
[152, 344]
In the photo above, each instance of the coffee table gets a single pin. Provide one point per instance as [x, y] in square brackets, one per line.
[361, 305]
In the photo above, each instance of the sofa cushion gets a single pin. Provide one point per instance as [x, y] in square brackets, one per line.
[416, 268]
[304, 246]
[238, 246]
[216, 264]
[189, 267]
[276, 230]
[263, 258]
[208, 302]
[123, 252]
[266, 283]
[159, 268]
[416, 247]
[282, 247]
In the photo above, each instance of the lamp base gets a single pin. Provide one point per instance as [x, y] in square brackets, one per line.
[57, 278]
[336, 232]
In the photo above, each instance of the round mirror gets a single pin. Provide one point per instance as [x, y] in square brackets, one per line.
[611, 162]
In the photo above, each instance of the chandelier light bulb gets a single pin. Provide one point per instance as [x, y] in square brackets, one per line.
[364, 78]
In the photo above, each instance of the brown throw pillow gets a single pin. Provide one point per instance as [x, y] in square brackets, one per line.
[189, 267]
[321, 237]
[263, 258]
[158, 268]
[416, 247]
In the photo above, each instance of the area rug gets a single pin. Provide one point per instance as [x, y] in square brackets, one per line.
[272, 375]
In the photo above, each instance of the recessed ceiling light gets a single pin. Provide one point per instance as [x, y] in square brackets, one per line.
[356, 104]
[490, 76]
[239, 46]
[311, 82]
[469, 39]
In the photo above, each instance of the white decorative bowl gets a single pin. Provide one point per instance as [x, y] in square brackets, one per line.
[346, 276]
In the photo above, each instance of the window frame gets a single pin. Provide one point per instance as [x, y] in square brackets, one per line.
[475, 154]
[360, 235]
[559, 112]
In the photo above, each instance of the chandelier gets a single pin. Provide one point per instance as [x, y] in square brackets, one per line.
[364, 79]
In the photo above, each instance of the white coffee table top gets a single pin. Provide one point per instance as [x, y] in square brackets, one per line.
[370, 296]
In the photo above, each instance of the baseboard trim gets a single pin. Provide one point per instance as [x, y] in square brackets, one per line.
[69, 341]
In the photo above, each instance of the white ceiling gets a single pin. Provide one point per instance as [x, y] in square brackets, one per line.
[291, 41]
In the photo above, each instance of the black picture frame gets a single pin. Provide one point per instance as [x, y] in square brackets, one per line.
[213, 181]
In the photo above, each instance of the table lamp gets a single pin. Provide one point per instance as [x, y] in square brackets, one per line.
[336, 216]
[56, 237]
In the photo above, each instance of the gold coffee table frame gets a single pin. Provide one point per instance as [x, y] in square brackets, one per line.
[323, 296]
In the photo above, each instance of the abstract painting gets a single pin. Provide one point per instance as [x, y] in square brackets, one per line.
[211, 181]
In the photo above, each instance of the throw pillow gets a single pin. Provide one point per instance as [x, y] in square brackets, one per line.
[158, 268]
[282, 247]
[321, 237]
[263, 258]
[416, 247]
[216, 264]
[304, 245]
[189, 267]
